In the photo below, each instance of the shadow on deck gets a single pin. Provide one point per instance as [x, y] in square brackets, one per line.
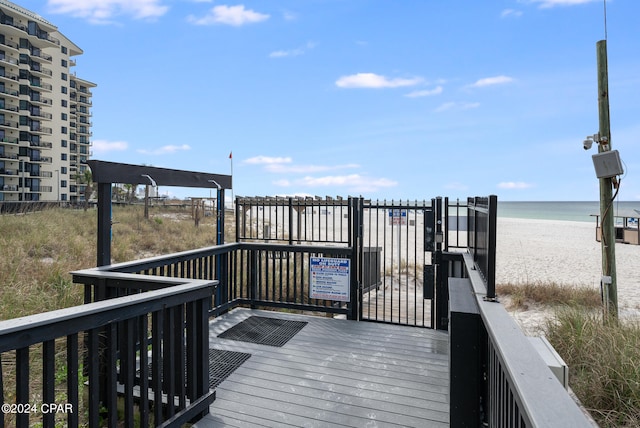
[334, 372]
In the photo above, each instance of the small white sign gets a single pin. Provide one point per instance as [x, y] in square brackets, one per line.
[330, 278]
[397, 216]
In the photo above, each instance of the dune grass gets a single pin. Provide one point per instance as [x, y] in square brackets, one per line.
[603, 355]
[521, 295]
[40, 249]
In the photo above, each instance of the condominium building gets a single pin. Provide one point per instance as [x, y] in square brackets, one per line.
[45, 111]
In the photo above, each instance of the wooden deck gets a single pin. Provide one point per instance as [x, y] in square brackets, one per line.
[334, 373]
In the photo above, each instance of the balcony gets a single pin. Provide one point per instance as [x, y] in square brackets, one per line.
[42, 115]
[10, 44]
[9, 60]
[44, 86]
[42, 159]
[41, 130]
[9, 124]
[10, 108]
[6, 171]
[9, 188]
[41, 144]
[8, 140]
[9, 92]
[41, 100]
[41, 40]
[9, 156]
[8, 76]
[42, 56]
[41, 70]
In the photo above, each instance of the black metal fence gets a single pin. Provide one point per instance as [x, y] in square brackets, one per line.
[482, 220]
[395, 271]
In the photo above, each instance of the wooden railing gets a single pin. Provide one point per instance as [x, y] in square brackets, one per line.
[130, 351]
[497, 377]
[251, 274]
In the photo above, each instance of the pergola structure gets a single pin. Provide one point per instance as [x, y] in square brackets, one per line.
[105, 174]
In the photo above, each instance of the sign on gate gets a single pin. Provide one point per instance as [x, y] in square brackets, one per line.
[397, 216]
[330, 278]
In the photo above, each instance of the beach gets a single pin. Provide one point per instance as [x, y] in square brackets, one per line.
[564, 252]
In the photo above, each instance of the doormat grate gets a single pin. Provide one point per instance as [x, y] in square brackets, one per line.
[223, 363]
[264, 331]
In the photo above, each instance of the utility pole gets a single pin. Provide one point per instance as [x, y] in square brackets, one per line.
[608, 239]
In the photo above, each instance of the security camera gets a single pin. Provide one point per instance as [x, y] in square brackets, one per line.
[586, 144]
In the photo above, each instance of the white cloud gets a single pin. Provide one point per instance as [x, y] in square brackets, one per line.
[282, 183]
[267, 160]
[165, 150]
[510, 13]
[104, 10]
[292, 52]
[229, 15]
[546, 4]
[103, 146]
[354, 182]
[289, 16]
[425, 93]
[490, 81]
[306, 169]
[518, 185]
[457, 106]
[456, 186]
[372, 80]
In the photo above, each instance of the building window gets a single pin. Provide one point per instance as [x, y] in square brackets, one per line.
[63, 156]
[63, 103]
[63, 89]
[63, 62]
[63, 130]
[63, 170]
[63, 116]
[63, 143]
[63, 183]
[63, 49]
[64, 76]
[63, 196]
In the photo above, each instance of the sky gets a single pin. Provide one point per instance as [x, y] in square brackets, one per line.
[395, 100]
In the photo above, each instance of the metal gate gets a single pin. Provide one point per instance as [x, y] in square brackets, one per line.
[399, 247]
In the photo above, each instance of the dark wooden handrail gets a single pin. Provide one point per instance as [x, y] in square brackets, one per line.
[108, 368]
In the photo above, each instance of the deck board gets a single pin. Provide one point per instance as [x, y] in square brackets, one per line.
[334, 373]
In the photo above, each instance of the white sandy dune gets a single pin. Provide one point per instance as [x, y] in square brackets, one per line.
[564, 252]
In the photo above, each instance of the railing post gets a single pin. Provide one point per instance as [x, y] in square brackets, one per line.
[253, 276]
[104, 224]
[442, 273]
[291, 221]
[356, 207]
[491, 246]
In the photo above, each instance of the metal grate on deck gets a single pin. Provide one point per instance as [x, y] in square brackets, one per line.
[264, 331]
[223, 363]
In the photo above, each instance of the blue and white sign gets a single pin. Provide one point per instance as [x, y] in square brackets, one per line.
[330, 278]
[397, 216]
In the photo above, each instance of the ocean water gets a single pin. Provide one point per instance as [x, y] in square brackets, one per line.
[568, 211]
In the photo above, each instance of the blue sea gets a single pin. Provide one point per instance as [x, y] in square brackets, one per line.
[569, 211]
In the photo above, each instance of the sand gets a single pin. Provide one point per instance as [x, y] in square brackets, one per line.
[564, 252]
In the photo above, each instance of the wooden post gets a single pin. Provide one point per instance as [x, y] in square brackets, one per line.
[608, 241]
[104, 225]
[146, 201]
